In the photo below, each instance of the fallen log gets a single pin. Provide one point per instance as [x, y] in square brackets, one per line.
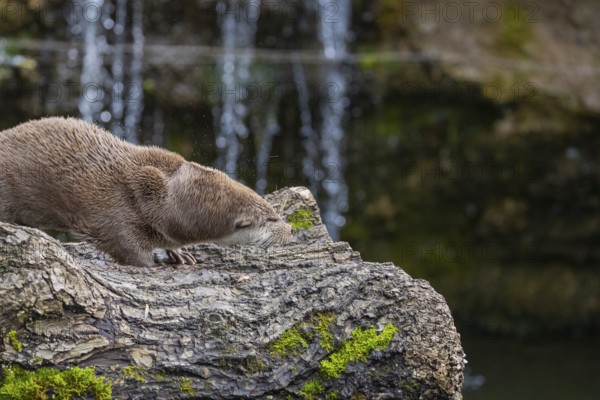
[307, 320]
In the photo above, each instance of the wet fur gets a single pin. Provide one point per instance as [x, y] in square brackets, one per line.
[70, 175]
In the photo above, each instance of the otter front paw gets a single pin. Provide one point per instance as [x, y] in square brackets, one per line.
[181, 257]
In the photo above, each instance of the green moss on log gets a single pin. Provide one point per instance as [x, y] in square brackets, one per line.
[358, 348]
[301, 219]
[49, 383]
[14, 342]
[312, 389]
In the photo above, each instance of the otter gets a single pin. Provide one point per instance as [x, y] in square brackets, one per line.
[71, 175]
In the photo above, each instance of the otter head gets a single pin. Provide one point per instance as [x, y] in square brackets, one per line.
[258, 225]
[215, 208]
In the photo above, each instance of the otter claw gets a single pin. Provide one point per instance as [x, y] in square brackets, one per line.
[188, 257]
[181, 257]
[174, 258]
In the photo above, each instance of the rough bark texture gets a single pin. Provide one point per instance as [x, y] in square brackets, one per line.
[215, 323]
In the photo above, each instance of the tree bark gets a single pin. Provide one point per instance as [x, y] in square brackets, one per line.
[216, 323]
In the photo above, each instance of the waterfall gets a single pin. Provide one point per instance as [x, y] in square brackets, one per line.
[118, 69]
[323, 163]
[108, 97]
[310, 139]
[88, 14]
[135, 99]
[264, 136]
[333, 34]
[238, 20]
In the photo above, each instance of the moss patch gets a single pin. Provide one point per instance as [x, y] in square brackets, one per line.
[14, 342]
[322, 328]
[185, 386]
[332, 395]
[311, 389]
[363, 343]
[292, 341]
[135, 373]
[50, 383]
[159, 377]
[301, 219]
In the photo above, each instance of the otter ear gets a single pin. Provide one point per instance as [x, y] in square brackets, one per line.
[147, 183]
[243, 223]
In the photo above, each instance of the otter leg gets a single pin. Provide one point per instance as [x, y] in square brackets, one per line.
[181, 257]
[128, 252]
[138, 258]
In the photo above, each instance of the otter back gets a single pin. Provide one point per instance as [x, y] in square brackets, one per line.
[68, 174]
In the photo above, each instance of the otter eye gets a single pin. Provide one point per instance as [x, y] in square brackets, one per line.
[243, 224]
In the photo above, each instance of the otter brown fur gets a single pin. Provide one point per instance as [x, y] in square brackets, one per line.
[67, 174]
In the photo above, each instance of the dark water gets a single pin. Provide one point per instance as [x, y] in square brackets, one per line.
[535, 370]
